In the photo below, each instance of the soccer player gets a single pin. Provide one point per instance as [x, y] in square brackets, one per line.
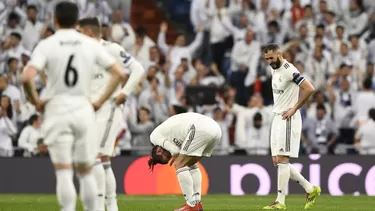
[69, 58]
[184, 139]
[287, 124]
[108, 117]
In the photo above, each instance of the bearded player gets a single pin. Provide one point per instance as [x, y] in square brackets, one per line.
[184, 139]
[287, 125]
[108, 117]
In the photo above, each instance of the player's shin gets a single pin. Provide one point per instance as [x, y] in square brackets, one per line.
[65, 190]
[88, 190]
[110, 201]
[186, 183]
[99, 175]
[296, 176]
[282, 182]
[197, 181]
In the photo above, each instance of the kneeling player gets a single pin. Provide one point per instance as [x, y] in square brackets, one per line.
[184, 139]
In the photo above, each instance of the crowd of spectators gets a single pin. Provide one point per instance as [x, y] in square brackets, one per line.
[331, 42]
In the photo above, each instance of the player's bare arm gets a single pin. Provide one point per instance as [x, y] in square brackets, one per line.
[307, 91]
[28, 75]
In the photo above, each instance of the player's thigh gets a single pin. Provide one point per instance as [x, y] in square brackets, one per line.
[295, 130]
[107, 142]
[61, 150]
[58, 136]
[276, 128]
[85, 149]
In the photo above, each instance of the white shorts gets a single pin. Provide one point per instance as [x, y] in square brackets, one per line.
[70, 137]
[202, 138]
[108, 121]
[286, 135]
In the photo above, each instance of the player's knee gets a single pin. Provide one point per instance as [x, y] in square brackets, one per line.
[82, 168]
[59, 166]
[105, 158]
[282, 159]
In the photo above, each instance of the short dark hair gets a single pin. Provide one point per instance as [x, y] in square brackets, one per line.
[66, 14]
[271, 47]
[32, 7]
[371, 113]
[11, 59]
[179, 109]
[33, 118]
[320, 107]
[13, 16]
[16, 35]
[367, 83]
[320, 26]
[92, 23]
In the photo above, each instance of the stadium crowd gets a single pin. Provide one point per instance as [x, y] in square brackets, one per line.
[331, 42]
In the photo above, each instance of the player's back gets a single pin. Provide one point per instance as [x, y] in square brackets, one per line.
[101, 78]
[180, 124]
[70, 59]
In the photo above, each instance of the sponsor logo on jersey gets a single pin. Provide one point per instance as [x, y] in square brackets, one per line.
[98, 76]
[278, 91]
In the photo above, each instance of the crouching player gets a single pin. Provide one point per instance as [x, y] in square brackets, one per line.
[184, 139]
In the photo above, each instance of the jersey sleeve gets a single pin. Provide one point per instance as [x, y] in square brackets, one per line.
[160, 138]
[39, 56]
[294, 75]
[121, 55]
[103, 58]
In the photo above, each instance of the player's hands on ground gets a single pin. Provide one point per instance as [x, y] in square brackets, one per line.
[120, 99]
[289, 113]
[97, 105]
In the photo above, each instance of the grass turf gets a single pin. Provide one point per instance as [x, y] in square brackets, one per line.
[34, 202]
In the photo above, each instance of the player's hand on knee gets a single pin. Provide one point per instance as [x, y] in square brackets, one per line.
[120, 99]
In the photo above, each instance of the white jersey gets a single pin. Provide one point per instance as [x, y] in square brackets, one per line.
[101, 78]
[69, 58]
[285, 87]
[172, 133]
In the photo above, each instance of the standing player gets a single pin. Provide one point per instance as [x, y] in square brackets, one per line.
[287, 124]
[109, 116]
[185, 139]
[68, 58]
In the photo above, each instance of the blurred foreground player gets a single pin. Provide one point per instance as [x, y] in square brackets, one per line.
[184, 139]
[69, 129]
[108, 117]
[287, 124]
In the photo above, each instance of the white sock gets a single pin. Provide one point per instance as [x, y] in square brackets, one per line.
[88, 191]
[296, 176]
[197, 181]
[99, 175]
[110, 192]
[186, 183]
[282, 183]
[65, 190]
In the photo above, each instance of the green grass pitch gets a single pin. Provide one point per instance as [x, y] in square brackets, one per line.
[33, 202]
